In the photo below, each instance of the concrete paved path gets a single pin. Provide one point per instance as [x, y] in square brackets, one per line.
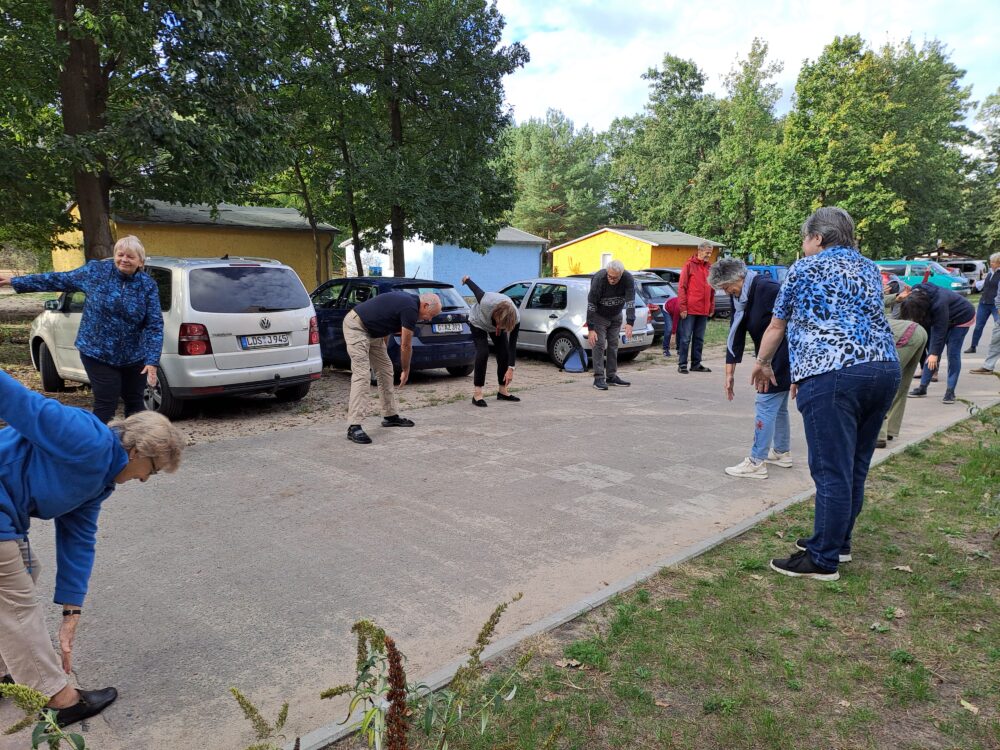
[249, 565]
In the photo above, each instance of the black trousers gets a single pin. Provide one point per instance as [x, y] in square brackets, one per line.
[504, 347]
[110, 383]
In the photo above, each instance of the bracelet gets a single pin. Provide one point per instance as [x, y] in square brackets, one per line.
[763, 362]
[70, 612]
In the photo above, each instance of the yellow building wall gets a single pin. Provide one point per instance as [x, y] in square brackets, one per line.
[585, 256]
[665, 256]
[295, 249]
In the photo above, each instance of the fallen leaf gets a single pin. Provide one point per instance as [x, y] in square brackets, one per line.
[605, 583]
[844, 704]
[897, 613]
[756, 577]
[658, 609]
[942, 492]
[978, 627]
[549, 697]
[904, 568]
[661, 704]
[779, 534]
[572, 663]
[878, 627]
[974, 710]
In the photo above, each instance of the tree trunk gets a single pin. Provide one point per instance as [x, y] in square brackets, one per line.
[397, 220]
[321, 272]
[83, 88]
[352, 213]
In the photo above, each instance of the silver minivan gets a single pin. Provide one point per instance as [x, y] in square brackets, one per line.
[554, 318]
[230, 326]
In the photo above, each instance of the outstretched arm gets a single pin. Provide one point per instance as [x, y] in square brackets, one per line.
[474, 287]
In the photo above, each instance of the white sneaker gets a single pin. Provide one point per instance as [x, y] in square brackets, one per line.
[748, 469]
[784, 460]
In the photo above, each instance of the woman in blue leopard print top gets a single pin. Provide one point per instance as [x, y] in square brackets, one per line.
[845, 372]
[121, 329]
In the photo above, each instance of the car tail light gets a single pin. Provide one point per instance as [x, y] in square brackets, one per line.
[653, 307]
[313, 330]
[193, 340]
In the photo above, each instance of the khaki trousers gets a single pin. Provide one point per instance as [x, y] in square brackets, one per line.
[909, 358]
[26, 651]
[367, 354]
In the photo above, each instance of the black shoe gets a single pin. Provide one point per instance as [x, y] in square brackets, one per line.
[397, 421]
[91, 703]
[357, 435]
[881, 443]
[700, 368]
[682, 369]
[478, 402]
[511, 397]
[600, 384]
[917, 392]
[800, 565]
[800, 544]
[618, 381]
[949, 397]
[970, 350]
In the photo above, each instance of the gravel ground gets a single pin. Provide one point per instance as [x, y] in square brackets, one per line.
[220, 419]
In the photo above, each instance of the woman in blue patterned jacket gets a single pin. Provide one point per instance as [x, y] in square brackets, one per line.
[121, 330]
[845, 372]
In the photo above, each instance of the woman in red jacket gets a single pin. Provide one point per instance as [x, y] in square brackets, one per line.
[697, 303]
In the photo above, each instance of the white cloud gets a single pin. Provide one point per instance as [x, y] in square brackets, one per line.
[587, 56]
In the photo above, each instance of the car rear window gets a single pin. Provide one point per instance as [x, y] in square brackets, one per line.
[658, 290]
[163, 278]
[450, 299]
[246, 289]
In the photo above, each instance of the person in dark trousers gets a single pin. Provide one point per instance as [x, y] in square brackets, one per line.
[671, 322]
[612, 291]
[366, 329]
[494, 316]
[121, 329]
[845, 371]
[987, 307]
[947, 316]
[697, 304]
[753, 300]
[60, 464]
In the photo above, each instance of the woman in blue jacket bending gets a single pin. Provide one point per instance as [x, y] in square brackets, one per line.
[59, 462]
[121, 330]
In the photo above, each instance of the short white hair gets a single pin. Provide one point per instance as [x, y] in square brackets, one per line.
[617, 266]
[995, 258]
[131, 242]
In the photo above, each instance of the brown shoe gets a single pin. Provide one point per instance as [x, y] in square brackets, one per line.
[981, 371]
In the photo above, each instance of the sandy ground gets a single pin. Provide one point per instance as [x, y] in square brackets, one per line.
[224, 418]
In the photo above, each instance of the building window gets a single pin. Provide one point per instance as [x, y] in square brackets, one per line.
[605, 259]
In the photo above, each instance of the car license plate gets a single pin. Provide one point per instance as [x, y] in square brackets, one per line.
[447, 328]
[634, 340]
[264, 341]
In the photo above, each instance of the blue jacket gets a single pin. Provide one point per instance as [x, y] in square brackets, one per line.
[56, 462]
[122, 323]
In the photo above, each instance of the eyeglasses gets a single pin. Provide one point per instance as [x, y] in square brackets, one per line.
[153, 464]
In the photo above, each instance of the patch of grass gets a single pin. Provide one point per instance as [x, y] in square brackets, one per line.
[720, 653]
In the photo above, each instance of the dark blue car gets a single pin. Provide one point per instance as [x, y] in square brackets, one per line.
[445, 341]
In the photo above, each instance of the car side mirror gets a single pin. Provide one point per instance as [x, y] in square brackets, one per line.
[52, 304]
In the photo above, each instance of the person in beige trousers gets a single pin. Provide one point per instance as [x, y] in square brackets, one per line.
[366, 329]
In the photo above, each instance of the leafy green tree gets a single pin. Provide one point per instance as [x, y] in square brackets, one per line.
[111, 98]
[561, 178]
[988, 174]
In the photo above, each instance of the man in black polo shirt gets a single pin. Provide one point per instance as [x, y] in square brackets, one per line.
[612, 290]
[366, 328]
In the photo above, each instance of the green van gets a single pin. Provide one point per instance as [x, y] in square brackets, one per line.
[912, 272]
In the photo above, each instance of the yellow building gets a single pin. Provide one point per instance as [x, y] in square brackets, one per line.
[637, 249]
[193, 232]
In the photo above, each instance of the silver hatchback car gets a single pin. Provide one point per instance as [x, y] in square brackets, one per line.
[230, 326]
[554, 318]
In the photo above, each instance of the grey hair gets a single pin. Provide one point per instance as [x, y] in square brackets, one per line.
[131, 242]
[616, 265]
[726, 271]
[152, 435]
[834, 226]
[705, 246]
[995, 257]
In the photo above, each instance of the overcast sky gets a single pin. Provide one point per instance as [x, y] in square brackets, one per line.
[588, 56]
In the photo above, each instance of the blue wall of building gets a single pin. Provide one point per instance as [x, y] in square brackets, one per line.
[502, 265]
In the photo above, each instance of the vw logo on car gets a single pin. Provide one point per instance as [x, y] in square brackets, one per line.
[265, 323]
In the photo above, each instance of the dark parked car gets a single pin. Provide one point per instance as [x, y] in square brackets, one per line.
[654, 291]
[445, 341]
[723, 302]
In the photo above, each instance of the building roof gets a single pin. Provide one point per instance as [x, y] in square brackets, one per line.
[675, 239]
[512, 236]
[228, 215]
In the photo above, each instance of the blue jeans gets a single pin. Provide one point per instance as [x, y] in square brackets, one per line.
[842, 413]
[984, 311]
[690, 331]
[953, 345]
[770, 425]
[668, 329]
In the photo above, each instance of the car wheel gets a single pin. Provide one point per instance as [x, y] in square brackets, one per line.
[560, 347]
[51, 381]
[460, 372]
[292, 392]
[160, 399]
[723, 315]
[628, 356]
